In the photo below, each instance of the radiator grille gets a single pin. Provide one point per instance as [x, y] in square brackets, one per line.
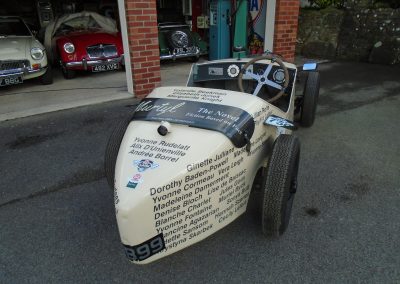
[102, 50]
[13, 64]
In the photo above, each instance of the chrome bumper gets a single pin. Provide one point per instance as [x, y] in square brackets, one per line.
[89, 63]
[20, 71]
[174, 56]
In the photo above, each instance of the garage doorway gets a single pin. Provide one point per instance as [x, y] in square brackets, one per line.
[87, 87]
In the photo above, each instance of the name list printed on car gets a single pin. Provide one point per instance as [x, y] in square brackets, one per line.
[208, 195]
[198, 95]
[162, 150]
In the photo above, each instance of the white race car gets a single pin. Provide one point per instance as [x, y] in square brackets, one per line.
[22, 56]
[183, 165]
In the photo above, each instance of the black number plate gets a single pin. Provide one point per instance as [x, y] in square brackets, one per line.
[146, 249]
[105, 67]
[184, 50]
[11, 80]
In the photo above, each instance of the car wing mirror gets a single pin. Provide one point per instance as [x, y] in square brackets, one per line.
[277, 121]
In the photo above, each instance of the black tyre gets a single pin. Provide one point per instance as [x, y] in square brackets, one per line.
[68, 74]
[114, 142]
[47, 78]
[280, 185]
[310, 99]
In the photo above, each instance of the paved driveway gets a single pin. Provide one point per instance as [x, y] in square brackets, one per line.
[57, 219]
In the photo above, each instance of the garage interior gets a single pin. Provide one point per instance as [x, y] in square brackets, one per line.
[32, 98]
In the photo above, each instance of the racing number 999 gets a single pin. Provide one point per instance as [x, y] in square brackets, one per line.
[146, 249]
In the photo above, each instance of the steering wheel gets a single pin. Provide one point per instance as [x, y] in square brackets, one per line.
[262, 79]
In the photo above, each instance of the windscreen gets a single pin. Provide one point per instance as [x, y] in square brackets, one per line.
[13, 27]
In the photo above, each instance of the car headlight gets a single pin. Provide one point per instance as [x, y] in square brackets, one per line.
[69, 48]
[37, 53]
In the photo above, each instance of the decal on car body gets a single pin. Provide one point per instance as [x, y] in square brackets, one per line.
[274, 120]
[145, 249]
[235, 123]
[145, 164]
[134, 181]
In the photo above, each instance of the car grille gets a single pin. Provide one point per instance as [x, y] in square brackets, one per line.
[102, 50]
[13, 64]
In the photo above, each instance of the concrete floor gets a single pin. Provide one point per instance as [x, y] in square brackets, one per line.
[87, 88]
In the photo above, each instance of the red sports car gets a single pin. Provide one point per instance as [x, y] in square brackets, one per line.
[86, 41]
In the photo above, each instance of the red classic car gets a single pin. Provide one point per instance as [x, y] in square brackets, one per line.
[85, 41]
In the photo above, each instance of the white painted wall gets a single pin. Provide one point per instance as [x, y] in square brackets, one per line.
[270, 25]
[125, 42]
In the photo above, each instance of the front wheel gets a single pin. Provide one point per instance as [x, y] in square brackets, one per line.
[280, 185]
[68, 73]
[47, 78]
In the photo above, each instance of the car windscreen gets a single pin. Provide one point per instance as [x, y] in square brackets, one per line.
[13, 27]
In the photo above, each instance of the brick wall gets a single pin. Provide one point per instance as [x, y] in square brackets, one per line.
[141, 20]
[286, 22]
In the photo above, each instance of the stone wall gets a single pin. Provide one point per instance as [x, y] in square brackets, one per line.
[318, 32]
[360, 34]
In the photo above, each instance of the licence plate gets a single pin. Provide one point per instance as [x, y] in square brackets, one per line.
[105, 67]
[184, 50]
[11, 80]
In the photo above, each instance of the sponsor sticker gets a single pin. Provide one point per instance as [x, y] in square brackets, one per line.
[145, 164]
[277, 121]
[134, 181]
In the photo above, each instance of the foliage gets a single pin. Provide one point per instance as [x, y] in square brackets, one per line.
[322, 4]
[394, 4]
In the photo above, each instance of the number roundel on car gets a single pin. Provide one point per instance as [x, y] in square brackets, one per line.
[180, 39]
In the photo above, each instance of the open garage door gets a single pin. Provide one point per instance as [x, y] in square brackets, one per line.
[85, 60]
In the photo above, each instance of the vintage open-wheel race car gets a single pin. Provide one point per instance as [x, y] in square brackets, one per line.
[183, 165]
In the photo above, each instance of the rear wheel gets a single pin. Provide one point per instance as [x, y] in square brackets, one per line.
[310, 99]
[280, 185]
[112, 149]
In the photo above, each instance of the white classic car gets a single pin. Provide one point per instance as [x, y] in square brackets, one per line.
[22, 56]
[183, 165]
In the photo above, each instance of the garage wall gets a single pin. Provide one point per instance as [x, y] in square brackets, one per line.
[286, 23]
[141, 21]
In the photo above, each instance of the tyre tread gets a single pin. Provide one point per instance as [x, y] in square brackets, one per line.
[283, 155]
[310, 100]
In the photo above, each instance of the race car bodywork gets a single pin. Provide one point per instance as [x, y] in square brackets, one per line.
[183, 166]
